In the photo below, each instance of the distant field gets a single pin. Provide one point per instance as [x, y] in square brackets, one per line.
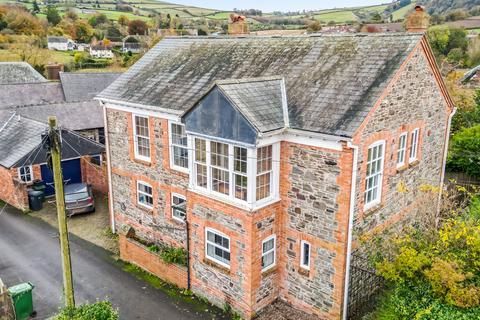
[400, 13]
[113, 15]
[337, 16]
[219, 16]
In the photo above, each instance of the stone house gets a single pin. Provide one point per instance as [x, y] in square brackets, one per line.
[275, 153]
[60, 43]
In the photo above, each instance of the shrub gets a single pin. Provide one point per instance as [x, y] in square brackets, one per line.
[174, 255]
[464, 155]
[102, 310]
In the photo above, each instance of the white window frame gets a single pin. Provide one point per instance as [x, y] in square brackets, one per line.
[378, 199]
[171, 145]
[30, 174]
[214, 231]
[144, 193]
[414, 139]
[173, 209]
[402, 150]
[302, 254]
[274, 238]
[135, 148]
[251, 174]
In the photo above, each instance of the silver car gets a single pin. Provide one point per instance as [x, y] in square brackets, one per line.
[78, 199]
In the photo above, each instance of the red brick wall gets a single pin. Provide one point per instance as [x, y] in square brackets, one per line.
[12, 191]
[137, 254]
[94, 174]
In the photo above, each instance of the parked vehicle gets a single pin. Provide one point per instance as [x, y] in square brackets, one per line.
[78, 199]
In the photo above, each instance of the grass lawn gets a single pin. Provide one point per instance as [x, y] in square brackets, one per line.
[6, 55]
[64, 57]
[400, 13]
[337, 16]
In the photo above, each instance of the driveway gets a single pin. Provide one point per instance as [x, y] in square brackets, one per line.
[29, 251]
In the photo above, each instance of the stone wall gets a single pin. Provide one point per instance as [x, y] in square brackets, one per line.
[413, 101]
[7, 311]
[316, 192]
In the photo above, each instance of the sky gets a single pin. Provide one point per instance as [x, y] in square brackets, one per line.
[278, 5]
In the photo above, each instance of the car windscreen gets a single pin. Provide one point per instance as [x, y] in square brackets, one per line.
[69, 197]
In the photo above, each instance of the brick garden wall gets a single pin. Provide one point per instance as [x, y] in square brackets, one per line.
[12, 190]
[137, 254]
[93, 174]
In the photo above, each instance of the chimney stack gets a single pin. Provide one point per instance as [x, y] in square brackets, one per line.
[418, 21]
[238, 25]
[53, 71]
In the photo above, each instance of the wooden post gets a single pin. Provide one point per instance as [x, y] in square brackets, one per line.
[55, 150]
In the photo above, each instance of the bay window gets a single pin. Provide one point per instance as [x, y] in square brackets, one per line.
[242, 174]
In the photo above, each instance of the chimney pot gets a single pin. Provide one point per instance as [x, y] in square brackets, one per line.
[418, 21]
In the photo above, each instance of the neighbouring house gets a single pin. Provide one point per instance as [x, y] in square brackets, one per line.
[101, 51]
[267, 158]
[70, 99]
[23, 159]
[134, 44]
[19, 72]
[60, 43]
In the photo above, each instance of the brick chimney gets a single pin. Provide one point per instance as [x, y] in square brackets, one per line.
[53, 71]
[418, 21]
[238, 25]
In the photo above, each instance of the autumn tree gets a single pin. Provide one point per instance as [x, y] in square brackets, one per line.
[53, 17]
[21, 21]
[123, 20]
[97, 19]
[82, 31]
[137, 27]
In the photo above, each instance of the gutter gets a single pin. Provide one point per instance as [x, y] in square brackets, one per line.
[444, 164]
[350, 229]
[109, 170]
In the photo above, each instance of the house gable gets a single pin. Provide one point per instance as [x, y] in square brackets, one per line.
[215, 116]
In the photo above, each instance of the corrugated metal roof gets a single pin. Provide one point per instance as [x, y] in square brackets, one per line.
[331, 81]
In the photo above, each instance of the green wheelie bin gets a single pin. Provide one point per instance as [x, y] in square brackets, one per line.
[22, 300]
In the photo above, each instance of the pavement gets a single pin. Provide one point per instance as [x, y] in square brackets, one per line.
[29, 251]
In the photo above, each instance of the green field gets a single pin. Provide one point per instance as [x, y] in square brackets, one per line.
[400, 13]
[337, 16]
[219, 16]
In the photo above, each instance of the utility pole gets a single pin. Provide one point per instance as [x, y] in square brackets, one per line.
[55, 150]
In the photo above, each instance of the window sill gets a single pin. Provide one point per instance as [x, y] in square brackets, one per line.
[304, 272]
[239, 204]
[370, 210]
[269, 271]
[181, 170]
[414, 163]
[402, 168]
[217, 266]
[143, 162]
[144, 209]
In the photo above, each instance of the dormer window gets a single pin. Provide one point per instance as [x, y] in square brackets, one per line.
[241, 174]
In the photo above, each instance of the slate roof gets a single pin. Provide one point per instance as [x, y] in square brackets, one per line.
[20, 143]
[19, 137]
[19, 72]
[332, 81]
[30, 94]
[81, 115]
[54, 39]
[85, 86]
[259, 100]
